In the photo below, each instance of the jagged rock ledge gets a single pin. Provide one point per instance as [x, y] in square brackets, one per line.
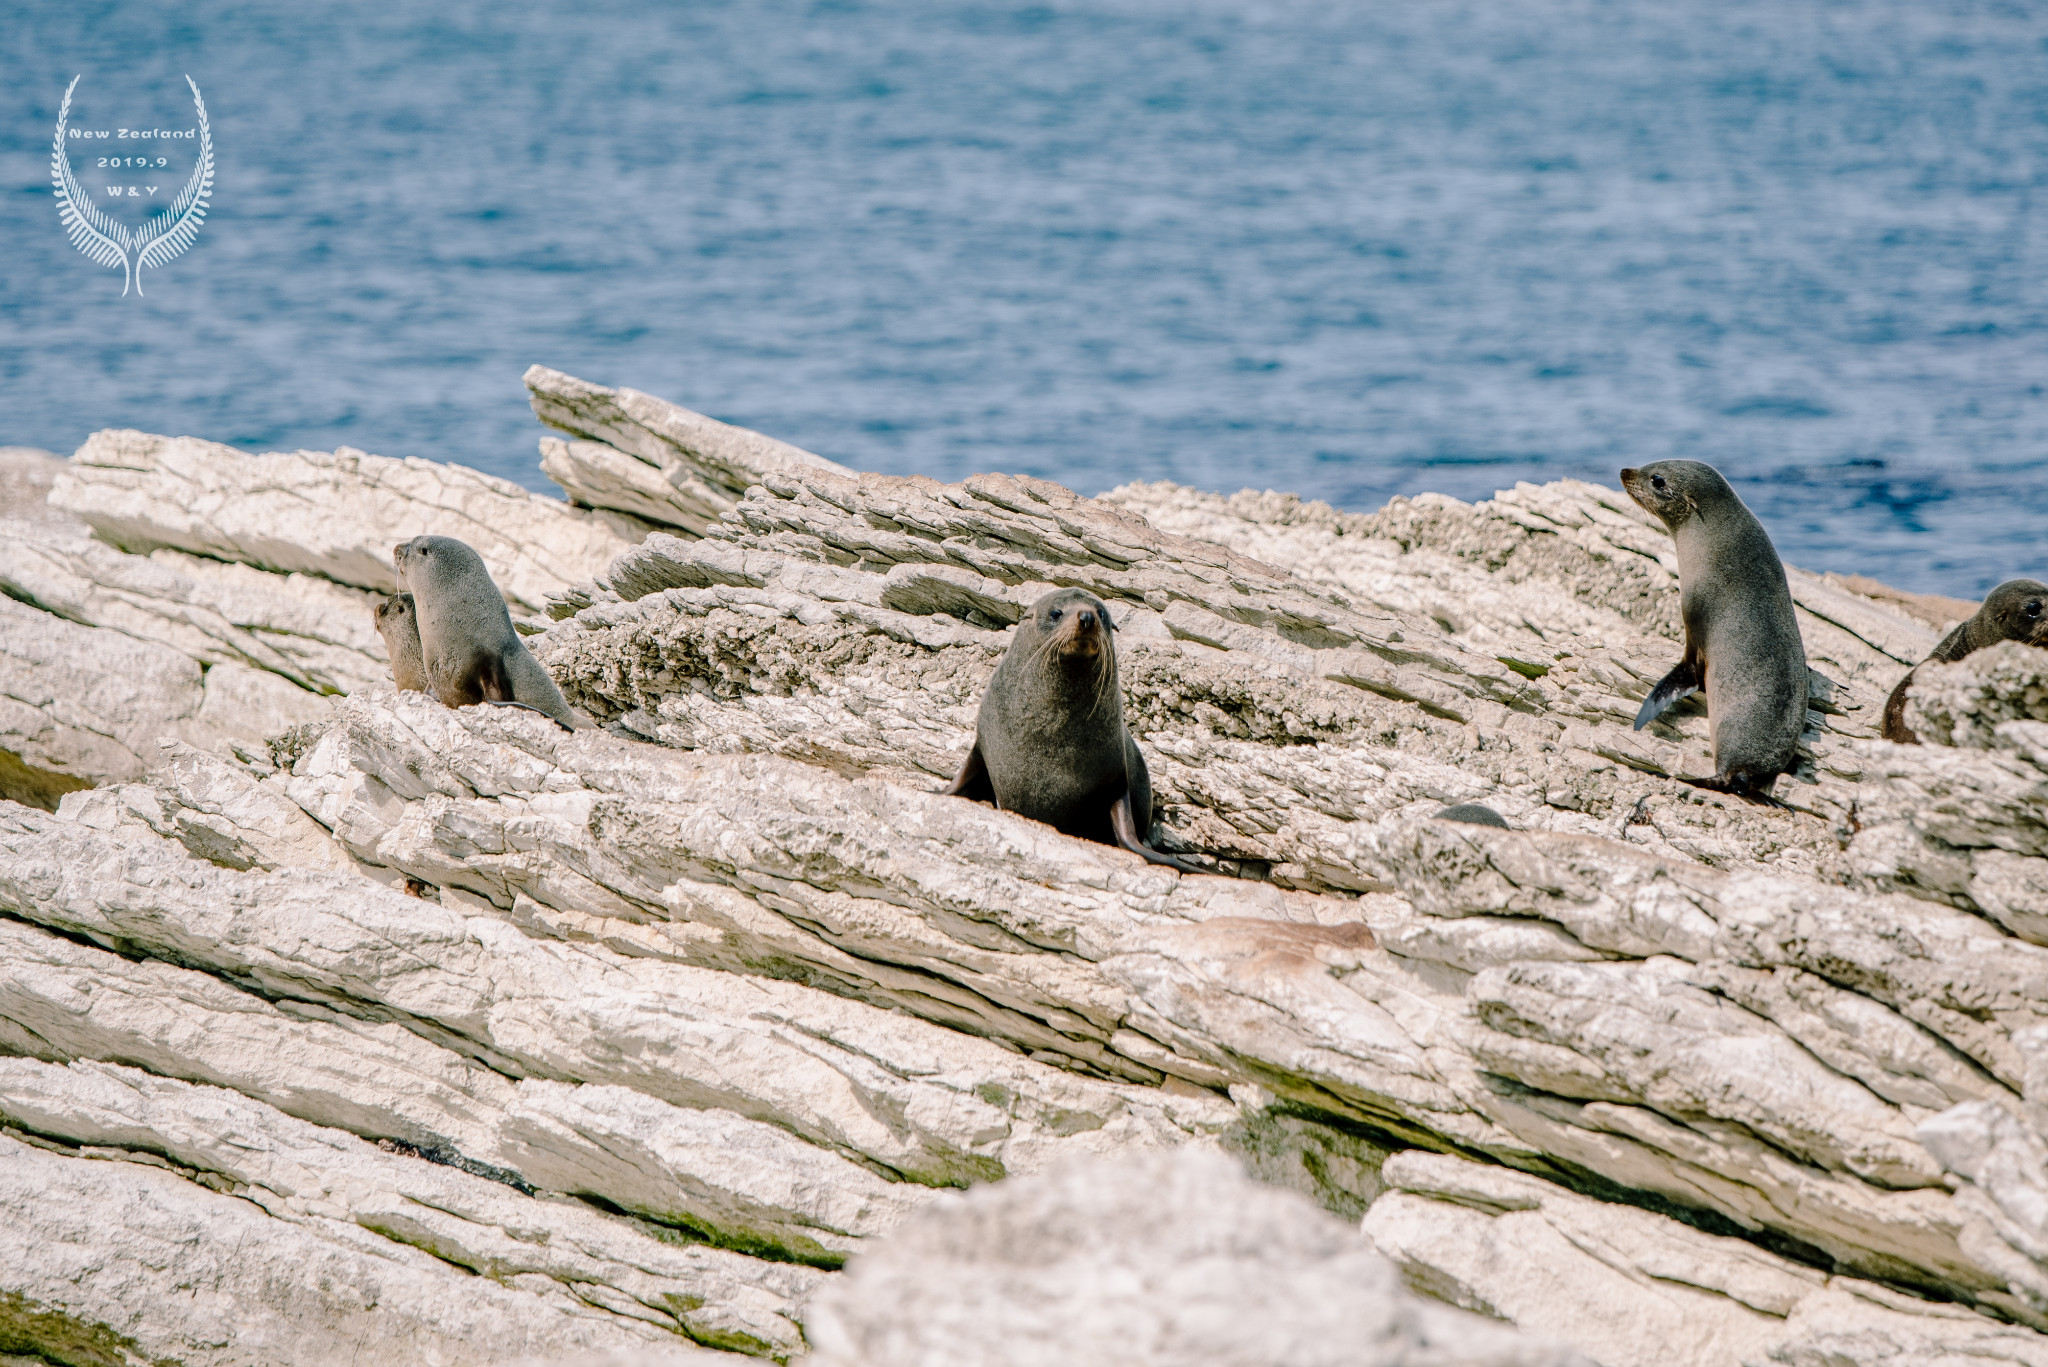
[654, 1026]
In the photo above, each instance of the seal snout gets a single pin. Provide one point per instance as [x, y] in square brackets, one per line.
[1081, 633]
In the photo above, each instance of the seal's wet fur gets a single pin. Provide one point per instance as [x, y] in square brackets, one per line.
[471, 652]
[1742, 643]
[2014, 611]
[1050, 741]
[399, 625]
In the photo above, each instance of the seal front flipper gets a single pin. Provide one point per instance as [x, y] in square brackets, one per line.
[1682, 682]
[972, 782]
[1126, 828]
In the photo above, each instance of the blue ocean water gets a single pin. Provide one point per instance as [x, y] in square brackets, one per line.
[1348, 250]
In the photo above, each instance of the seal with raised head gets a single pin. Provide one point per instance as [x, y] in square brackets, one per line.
[1050, 741]
[1742, 642]
[2010, 612]
[400, 628]
[469, 649]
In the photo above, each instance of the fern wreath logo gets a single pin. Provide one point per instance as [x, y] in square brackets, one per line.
[162, 238]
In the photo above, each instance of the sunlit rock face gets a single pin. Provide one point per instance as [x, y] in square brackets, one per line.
[682, 1034]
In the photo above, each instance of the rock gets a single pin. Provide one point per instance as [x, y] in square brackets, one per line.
[309, 1241]
[1635, 1289]
[333, 515]
[649, 457]
[310, 631]
[26, 474]
[729, 976]
[82, 704]
[1177, 1259]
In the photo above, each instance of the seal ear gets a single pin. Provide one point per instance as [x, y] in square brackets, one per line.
[1108, 623]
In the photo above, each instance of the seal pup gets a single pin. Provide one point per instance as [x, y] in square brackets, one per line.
[1050, 741]
[2010, 612]
[400, 628]
[1473, 814]
[1742, 643]
[468, 646]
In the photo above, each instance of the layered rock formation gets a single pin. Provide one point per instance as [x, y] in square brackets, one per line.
[656, 1025]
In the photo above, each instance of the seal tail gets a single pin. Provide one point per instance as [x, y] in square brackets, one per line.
[1682, 682]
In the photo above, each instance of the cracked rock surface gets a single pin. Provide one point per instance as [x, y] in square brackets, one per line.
[683, 1033]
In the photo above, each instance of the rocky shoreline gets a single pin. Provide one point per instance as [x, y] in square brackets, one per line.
[456, 1032]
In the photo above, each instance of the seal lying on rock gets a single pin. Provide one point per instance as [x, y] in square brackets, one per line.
[400, 628]
[1050, 741]
[468, 646]
[2010, 612]
[1741, 641]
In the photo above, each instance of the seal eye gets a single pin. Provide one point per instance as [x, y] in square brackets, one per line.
[2034, 607]
[1054, 614]
[1657, 481]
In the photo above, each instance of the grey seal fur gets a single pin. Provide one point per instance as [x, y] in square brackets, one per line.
[1050, 741]
[1474, 814]
[467, 643]
[2011, 612]
[1742, 642]
[400, 628]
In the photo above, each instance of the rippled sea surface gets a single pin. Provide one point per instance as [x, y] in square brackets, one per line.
[1349, 250]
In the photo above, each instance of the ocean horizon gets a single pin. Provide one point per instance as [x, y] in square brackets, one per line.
[1347, 253]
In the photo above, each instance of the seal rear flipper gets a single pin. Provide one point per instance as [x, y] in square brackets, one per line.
[972, 782]
[1127, 836]
[1682, 682]
[1894, 727]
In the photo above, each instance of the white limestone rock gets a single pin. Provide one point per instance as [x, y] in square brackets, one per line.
[1175, 1260]
[334, 515]
[651, 458]
[1631, 1288]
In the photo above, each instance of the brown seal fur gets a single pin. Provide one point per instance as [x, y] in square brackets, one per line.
[467, 643]
[1050, 741]
[400, 628]
[2010, 612]
[1742, 642]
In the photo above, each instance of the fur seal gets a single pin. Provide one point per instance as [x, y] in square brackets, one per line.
[2010, 612]
[400, 628]
[1474, 814]
[468, 646]
[1741, 640]
[1050, 741]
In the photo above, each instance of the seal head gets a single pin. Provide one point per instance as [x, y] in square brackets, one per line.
[1742, 643]
[2016, 610]
[399, 625]
[469, 649]
[1050, 741]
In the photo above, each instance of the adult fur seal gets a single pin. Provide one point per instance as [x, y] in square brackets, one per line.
[1473, 814]
[471, 652]
[1741, 641]
[2010, 612]
[400, 628]
[1050, 741]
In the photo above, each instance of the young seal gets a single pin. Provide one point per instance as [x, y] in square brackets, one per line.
[400, 628]
[1050, 741]
[2010, 612]
[1473, 814]
[1741, 641]
[471, 652]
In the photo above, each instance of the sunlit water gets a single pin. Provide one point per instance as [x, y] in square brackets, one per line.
[1349, 250]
